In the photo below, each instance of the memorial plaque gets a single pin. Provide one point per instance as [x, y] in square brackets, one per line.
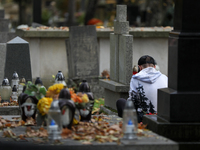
[2, 60]
[82, 52]
[18, 59]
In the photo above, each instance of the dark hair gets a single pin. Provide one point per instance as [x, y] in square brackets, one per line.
[146, 59]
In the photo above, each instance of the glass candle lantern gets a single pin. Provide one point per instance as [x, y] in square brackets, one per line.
[21, 85]
[67, 107]
[129, 121]
[14, 93]
[15, 80]
[38, 81]
[60, 78]
[5, 90]
[54, 123]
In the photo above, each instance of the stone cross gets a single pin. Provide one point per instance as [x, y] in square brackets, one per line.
[18, 59]
[121, 53]
[121, 48]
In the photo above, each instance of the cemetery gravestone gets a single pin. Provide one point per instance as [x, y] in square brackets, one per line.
[18, 59]
[121, 49]
[83, 57]
[82, 52]
[5, 35]
[178, 105]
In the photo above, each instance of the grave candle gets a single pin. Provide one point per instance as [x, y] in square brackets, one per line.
[5, 90]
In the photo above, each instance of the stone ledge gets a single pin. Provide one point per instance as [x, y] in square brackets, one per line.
[100, 34]
[152, 141]
[10, 110]
[180, 132]
[113, 86]
[109, 112]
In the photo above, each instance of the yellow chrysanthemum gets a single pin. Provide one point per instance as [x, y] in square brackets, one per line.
[56, 88]
[85, 98]
[44, 104]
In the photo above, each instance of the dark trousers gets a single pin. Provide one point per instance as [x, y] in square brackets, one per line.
[120, 104]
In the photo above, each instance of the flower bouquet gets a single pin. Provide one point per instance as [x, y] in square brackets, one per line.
[83, 105]
[45, 102]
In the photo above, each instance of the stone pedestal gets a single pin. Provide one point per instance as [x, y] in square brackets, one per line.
[113, 91]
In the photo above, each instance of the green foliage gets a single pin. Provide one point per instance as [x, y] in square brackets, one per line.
[97, 103]
[35, 90]
[45, 16]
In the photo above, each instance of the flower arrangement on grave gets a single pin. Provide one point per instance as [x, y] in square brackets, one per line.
[81, 100]
[83, 106]
[28, 100]
[45, 102]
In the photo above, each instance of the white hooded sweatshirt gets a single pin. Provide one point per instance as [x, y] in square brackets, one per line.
[146, 84]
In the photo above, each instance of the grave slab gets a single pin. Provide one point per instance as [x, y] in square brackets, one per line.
[177, 131]
[150, 141]
[18, 59]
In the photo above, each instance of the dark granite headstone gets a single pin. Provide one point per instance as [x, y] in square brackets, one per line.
[1, 13]
[18, 59]
[6, 36]
[178, 105]
[4, 25]
[82, 52]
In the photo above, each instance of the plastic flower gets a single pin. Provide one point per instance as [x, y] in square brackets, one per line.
[54, 90]
[85, 98]
[44, 104]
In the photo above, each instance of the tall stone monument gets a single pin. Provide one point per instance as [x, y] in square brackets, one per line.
[178, 117]
[18, 59]
[5, 36]
[121, 49]
[83, 55]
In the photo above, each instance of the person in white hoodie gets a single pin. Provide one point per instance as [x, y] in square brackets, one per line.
[143, 88]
